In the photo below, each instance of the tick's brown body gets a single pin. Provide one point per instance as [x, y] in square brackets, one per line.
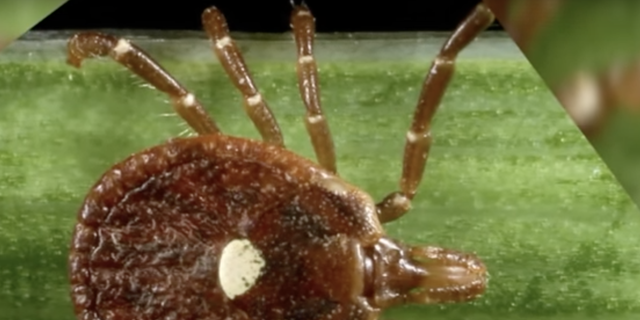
[152, 233]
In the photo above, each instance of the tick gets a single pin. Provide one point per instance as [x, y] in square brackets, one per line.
[222, 227]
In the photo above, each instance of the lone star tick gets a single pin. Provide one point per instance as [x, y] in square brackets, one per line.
[221, 227]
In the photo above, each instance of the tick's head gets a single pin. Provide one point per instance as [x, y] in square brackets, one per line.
[400, 274]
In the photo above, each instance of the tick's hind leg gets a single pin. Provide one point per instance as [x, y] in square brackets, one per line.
[303, 26]
[418, 140]
[231, 59]
[93, 44]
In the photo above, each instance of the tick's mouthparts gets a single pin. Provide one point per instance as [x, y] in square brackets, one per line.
[449, 274]
[401, 274]
[442, 277]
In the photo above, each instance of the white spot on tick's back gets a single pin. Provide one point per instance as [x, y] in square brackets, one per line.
[240, 266]
[123, 46]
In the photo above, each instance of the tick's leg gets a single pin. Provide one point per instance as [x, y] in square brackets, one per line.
[93, 44]
[418, 140]
[227, 52]
[303, 25]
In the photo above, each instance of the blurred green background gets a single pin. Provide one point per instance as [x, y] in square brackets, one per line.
[18, 16]
[510, 177]
[591, 35]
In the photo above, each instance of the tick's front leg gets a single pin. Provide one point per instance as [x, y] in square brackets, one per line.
[418, 139]
[303, 24]
[94, 44]
[215, 25]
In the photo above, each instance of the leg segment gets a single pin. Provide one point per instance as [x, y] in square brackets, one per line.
[227, 52]
[93, 44]
[304, 31]
[418, 140]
